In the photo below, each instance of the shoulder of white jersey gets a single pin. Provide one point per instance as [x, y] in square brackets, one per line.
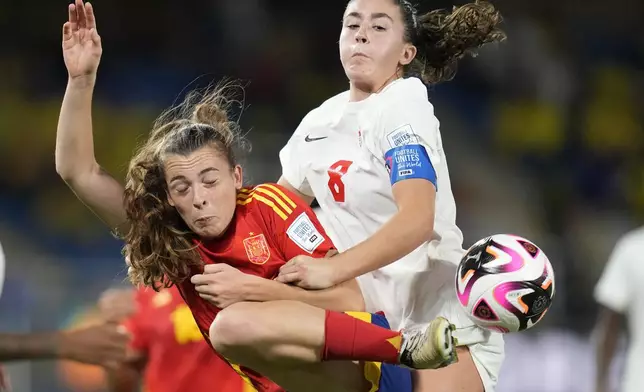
[273, 196]
[322, 113]
[403, 105]
[407, 89]
[632, 239]
[405, 96]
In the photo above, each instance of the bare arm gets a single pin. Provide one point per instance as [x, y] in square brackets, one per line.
[223, 285]
[101, 344]
[75, 161]
[27, 346]
[412, 225]
[341, 298]
[306, 198]
[608, 328]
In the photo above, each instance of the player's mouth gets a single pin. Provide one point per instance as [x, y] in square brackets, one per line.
[204, 220]
[360, 54]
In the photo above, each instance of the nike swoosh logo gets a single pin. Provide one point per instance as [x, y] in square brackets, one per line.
[312, 139]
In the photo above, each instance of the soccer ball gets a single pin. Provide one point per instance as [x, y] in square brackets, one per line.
[505, 283]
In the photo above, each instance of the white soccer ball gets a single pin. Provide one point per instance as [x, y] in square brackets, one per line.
[505, 283]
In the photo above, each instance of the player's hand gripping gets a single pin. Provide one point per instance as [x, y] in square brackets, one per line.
[81, 43]
[222, 285]
[102, 344]
[308, 273]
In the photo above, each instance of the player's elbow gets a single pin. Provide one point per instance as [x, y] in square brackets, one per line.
[73, 173]
[65, 167]
[65, 171]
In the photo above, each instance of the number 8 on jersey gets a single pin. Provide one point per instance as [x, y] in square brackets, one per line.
[336, 172]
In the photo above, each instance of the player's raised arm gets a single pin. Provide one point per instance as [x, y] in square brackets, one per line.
[75, 160]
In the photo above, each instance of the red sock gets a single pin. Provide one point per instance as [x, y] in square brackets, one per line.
[348, 338]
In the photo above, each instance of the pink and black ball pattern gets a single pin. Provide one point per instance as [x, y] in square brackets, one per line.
[532, 297]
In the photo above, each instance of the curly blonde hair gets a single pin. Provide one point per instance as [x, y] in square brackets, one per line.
[159, 245]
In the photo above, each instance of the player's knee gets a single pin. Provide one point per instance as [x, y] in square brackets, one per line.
[234, 331]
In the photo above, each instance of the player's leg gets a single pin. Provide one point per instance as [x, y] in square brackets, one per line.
[479, 363]
[289, 332]
[477, 370]
[268, 339]
[255, 335]
[462, 376]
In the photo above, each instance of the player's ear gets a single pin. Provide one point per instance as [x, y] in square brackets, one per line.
[238, 177]
[408, 54]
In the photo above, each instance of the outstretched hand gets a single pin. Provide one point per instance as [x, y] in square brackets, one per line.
[81, 43]
[308, 273]
[103, 344]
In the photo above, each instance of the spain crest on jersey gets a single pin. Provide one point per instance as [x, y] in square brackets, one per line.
[257, 249]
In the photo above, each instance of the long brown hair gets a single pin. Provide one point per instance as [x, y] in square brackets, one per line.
[442, 37]
[159, 245]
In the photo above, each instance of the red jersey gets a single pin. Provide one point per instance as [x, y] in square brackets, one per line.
[270, 227]
[177, 356]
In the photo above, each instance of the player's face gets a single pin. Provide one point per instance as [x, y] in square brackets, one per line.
[203, 188]
[372, 48]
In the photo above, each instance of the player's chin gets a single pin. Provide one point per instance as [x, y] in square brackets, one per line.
[210, 232]
[360, 76]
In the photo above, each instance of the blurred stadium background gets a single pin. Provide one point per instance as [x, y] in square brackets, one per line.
[544, 136]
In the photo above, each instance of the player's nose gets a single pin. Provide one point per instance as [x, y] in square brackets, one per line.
[199, 203]
[361, 35]
[199, 197]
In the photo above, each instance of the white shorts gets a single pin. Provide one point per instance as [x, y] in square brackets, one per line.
[486, 347]
[411, 298]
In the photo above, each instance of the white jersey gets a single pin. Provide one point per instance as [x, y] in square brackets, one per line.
[620, 289]
[337, 154]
